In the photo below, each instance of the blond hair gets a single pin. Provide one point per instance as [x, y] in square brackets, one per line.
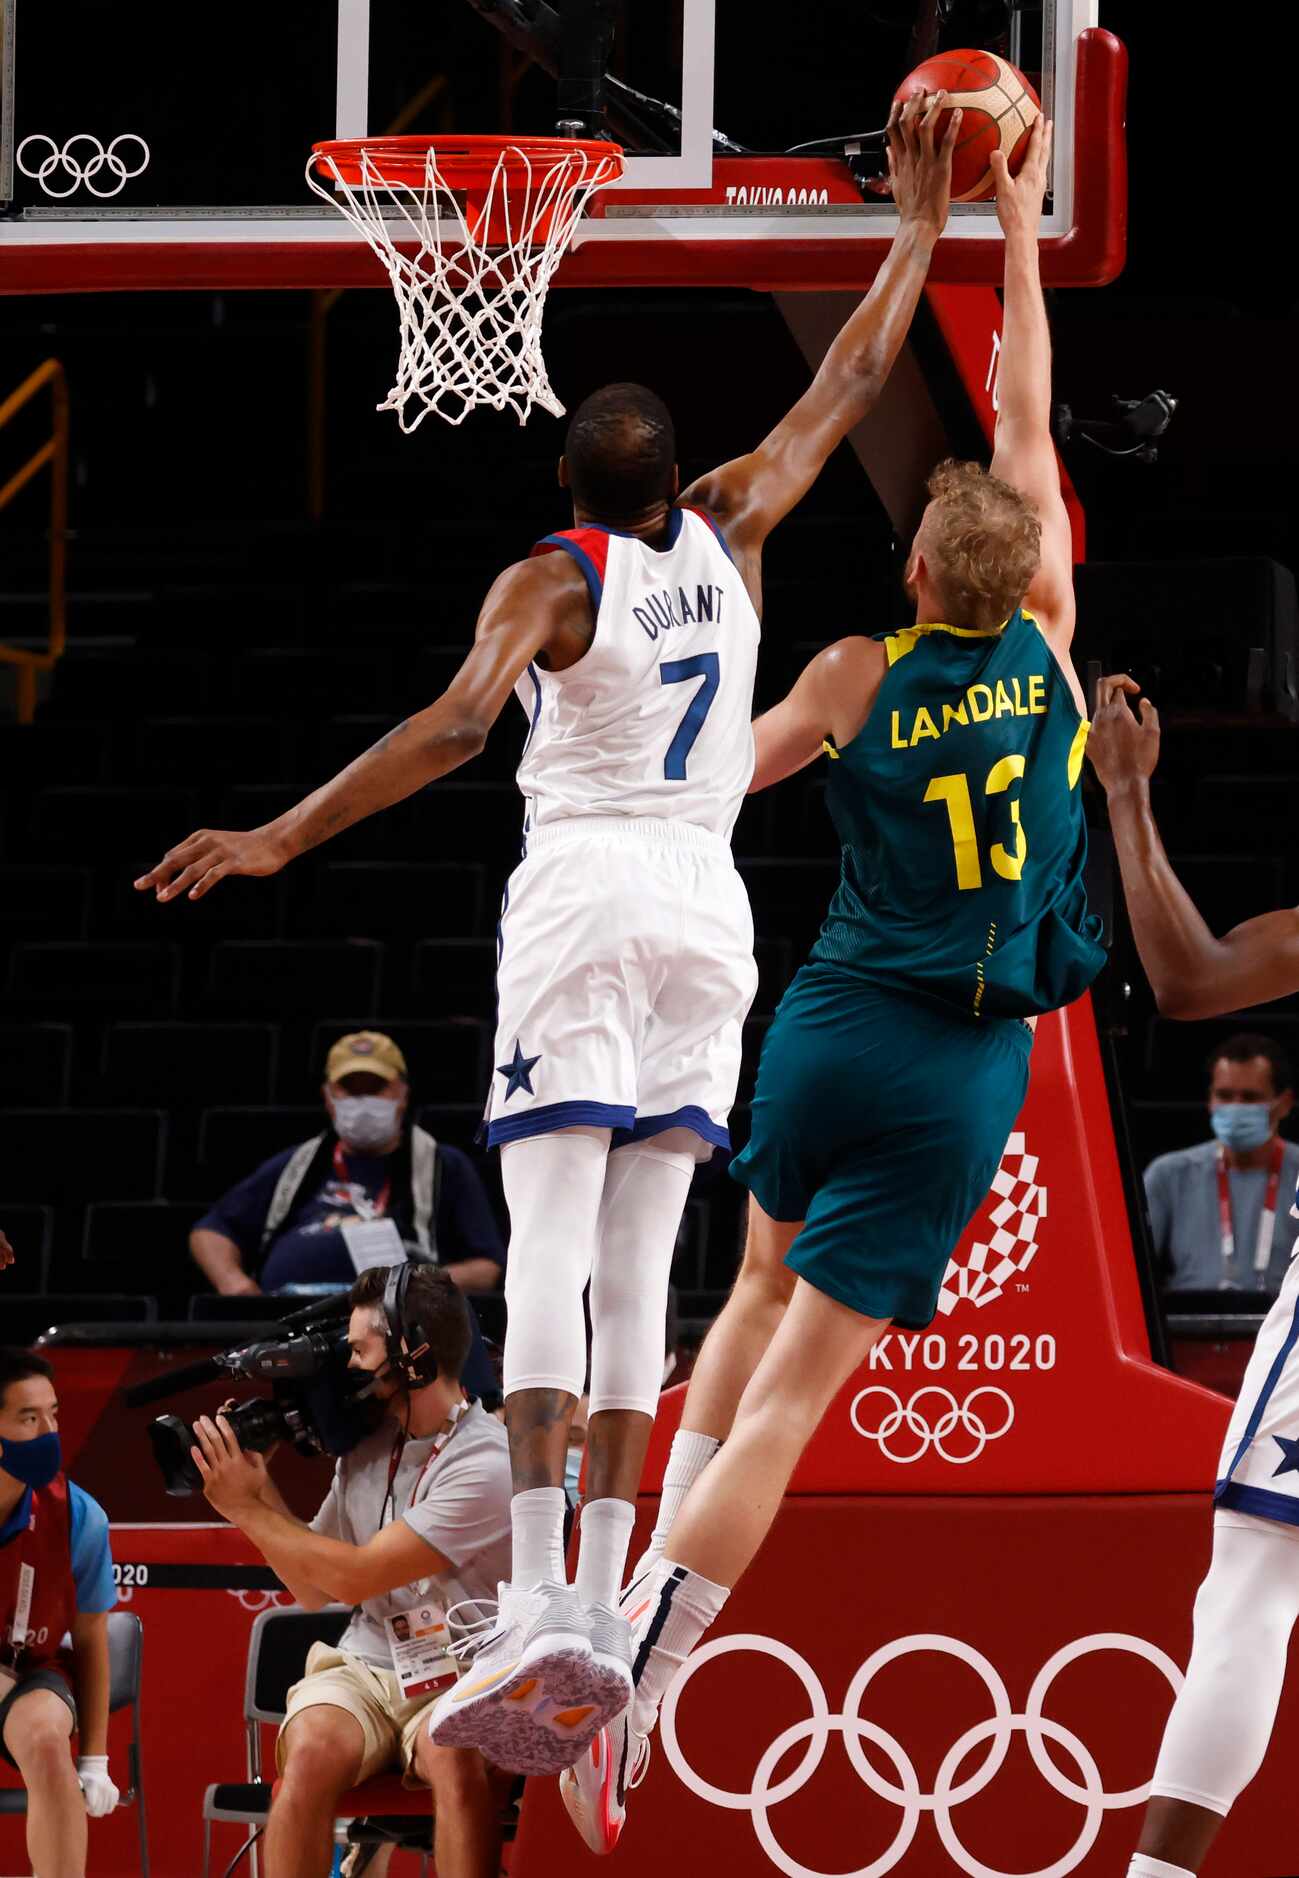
[983, 544]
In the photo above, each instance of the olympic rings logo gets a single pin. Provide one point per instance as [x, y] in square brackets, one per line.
[905, 1792]
[933, 1434]
[79, 173]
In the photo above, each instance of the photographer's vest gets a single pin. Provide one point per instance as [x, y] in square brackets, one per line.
[45, 1545]
[425, 1183]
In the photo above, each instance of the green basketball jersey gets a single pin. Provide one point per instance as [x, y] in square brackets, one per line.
[958, 805]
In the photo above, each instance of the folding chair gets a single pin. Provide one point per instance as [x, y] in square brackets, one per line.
[125, 1649]
[277, 1654]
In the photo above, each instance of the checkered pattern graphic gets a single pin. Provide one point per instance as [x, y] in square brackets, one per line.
[1017, 1204]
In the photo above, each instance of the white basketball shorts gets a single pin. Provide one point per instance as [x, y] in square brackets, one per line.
[624, 978]
[1259, 1470]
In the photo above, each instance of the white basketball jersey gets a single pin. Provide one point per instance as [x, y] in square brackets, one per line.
[655, 719]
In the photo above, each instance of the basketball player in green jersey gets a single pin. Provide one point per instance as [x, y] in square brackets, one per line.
[898, 1060]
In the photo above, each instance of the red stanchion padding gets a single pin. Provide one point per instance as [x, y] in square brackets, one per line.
[1035, 1376]
[928, 1686]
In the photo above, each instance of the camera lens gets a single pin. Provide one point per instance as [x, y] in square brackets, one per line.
[172, 1440]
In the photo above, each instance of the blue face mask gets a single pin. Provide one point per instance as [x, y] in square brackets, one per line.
[1241, 1126]
[34, 1462]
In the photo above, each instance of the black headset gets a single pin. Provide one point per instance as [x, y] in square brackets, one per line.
[410, 1346]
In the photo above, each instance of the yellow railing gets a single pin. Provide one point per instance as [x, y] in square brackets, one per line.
[52, 455]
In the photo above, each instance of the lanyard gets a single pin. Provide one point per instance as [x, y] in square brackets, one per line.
[460, 1410]
[1267, 1219]
[366, 1207]
[25, 1587]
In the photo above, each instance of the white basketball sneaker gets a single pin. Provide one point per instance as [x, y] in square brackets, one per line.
[536, 1692]
[595, 1788]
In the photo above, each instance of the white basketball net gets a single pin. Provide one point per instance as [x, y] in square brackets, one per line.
[470, 314]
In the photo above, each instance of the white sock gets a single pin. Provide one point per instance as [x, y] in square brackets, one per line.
[605, 1534]
[688, 1458]
[1144, 1867]
[537, 1521]
[686, 1605]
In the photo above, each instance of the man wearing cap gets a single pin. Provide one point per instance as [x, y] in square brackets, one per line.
[354, 1195]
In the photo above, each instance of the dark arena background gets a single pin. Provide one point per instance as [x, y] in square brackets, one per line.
[261, 575]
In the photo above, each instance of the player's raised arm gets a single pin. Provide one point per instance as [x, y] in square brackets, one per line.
[750, 495]
[527, 604]
[1192, 973]
[832, 697]
[1024, 454]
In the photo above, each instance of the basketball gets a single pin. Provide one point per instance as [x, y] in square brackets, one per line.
[999, 107]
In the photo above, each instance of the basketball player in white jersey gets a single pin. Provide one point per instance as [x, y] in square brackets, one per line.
[626, 944]
[1219, 1727]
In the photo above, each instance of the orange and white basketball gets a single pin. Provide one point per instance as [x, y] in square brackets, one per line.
[998, 106]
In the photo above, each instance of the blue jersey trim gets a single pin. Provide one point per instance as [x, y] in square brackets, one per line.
[536, 704]
[1265, 1395]
[551, 1116]
[1257, 1500]
[688, 1117]
[590, 573]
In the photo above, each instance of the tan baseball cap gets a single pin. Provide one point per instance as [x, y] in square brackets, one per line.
[368, 1051]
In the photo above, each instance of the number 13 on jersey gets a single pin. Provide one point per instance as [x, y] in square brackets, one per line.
[954, 791]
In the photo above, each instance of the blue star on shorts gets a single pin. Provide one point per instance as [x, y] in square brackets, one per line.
[1290, 1449]
[518, 1074]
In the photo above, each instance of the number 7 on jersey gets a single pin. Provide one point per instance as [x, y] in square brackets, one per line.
[705, 665]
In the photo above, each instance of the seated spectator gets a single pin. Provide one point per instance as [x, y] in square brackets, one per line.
[1220, 1211]
[295, 1219]
[56, 1581]
[6, 1251]
[417, 1520]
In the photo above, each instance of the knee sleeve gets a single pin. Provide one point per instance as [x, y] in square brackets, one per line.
[553, 1188]
[1220, 1724]
[645, 1193]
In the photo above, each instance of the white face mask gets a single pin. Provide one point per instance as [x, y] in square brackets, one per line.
[365, 1121]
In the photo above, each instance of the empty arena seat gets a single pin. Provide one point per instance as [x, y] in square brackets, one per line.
[1176, 1055]
[130, 682]
[447, 1058]
[789, 898]
[29, 1316]
[149, 1238]
[46, 752]
[66, 1156]
[237, 908]
[471, 821]
[207, 750]
[775, 961]
[456, 1122]
[195, 1065]
[35, 1065]
[1249, 814]
[1160, 1127]
[249, 977]
[455, 977]
[44, 902]
[133, 827]
[397, 900]
[232, 1142]
[30, 1231]
[297, 681]
[56, 978]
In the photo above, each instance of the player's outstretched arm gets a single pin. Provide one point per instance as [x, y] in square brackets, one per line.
[750, 495]
[832, 697]
[1024, 454]
[525, 607]
[1193, 974]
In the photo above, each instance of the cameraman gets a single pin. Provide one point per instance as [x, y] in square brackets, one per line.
[418, 1515]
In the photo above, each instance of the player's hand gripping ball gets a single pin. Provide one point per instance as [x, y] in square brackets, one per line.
[998, 110]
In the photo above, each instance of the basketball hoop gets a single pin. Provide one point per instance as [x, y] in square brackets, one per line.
[470, 230]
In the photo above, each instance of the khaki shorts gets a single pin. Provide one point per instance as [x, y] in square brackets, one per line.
[390, 1725]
